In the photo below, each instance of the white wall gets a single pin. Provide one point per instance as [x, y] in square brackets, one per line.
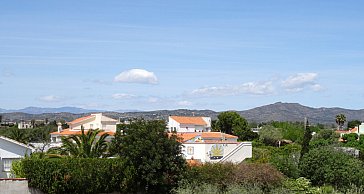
[202, 151]
[10, 150]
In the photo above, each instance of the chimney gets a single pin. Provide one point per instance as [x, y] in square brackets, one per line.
[59, 127]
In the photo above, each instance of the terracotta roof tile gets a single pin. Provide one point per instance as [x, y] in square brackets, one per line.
[81, 119]
[78, 132]
[189, 120]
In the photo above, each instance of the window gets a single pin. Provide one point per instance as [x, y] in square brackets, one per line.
[7, 164]
[190, 150]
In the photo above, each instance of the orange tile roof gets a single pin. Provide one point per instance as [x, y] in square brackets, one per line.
[189, 120]
[353, 130]
[217, 135]
[204, 135]
[78, 132]
[81, 119]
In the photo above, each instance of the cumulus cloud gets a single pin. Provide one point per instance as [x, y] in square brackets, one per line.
[253, 88]
[137, 76]
[299, 81]
[50, 98]
[122, 96]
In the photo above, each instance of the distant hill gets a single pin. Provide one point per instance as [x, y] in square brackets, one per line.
[296, 112]
[274, 112]
[38, 110]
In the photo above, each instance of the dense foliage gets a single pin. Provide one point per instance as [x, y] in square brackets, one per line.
[86, 145]
[232, 123]
[329, 166]
[154, 154]
[77, 175]
[265, 176]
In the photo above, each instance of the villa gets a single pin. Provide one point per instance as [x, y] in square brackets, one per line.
[188, 124]
[93, 121]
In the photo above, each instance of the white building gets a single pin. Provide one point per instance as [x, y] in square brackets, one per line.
[11, 150]
[93, 121]
[214, 147]
[181, 124]
[24, 125]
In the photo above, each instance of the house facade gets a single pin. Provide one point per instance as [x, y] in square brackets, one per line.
[11, 150]
[93, 121]
[214, 147]
[182, 124]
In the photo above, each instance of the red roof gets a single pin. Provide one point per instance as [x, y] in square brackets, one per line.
[66, 132]
[189, 120]
[81, 119]
[216, 136]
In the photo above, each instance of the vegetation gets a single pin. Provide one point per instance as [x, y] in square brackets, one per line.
[77, 175]
[148, 160]
[155, 156]
[340, 120]
[329, 166]
[353, 123]
[232, 123]
[85, 145]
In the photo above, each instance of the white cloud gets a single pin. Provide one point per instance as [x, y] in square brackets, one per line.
[253, 88]
[299, 81]
[316, 87]
[137, 76]
[50, 98]
[122, 96]
[184, 103]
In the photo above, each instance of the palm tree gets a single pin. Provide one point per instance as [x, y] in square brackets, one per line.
[18, 135]
[340, 120]
[86, 145]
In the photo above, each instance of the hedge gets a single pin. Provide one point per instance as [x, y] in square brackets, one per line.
[78, 175]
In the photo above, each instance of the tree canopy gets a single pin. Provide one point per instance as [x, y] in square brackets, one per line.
[232, 123]
[86, 145]
[340, 120]
[154, 154]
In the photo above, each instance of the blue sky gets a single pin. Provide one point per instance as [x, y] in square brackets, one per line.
[149, 55]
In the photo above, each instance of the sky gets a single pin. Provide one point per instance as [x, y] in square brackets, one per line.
[152, 55]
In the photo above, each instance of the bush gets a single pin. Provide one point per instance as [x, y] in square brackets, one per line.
[328, 166]
[264, 176]
[76, 175]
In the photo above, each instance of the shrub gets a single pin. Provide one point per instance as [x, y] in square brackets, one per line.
[328, 166]
[264, 176]
[76, 175]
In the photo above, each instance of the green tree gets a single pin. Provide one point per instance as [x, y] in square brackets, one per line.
[86, 145]
[232, 123]
[353, 123]
[329, 166]
[154, 154]
[18, 135]
[270, 135]
[307, 136]
[340, 120]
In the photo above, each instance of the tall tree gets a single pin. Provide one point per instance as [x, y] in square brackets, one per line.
[154, 154]
[340, 120]
[306, 139]
[353, 123]
[232, 123]
[86, 145]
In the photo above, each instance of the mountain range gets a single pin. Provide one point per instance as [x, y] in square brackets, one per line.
[273, 112]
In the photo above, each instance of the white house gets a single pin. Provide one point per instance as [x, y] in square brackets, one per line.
[214, 147]
[11, 150]
[24, 125]
[93, 121]
[181, 124]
